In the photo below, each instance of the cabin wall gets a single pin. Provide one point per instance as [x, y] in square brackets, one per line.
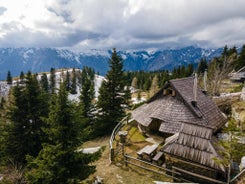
[204, 171]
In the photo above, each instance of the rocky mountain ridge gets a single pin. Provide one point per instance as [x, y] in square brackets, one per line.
[42, 59]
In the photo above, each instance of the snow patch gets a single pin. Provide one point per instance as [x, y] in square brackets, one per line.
[66, 54]
[27, 54]
[97, 83]
[145, 56]
[89, 150]
[95, 52]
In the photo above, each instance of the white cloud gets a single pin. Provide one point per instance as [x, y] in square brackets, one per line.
[124, 24]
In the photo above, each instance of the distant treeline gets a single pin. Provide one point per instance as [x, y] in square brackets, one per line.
[229, 60]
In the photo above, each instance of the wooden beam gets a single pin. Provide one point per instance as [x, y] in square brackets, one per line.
[152, 170]
[198, 175]
[142, 161]
[192, 163]
[237, 176]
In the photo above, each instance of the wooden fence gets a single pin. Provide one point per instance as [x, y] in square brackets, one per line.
[113, 135]
[174, 173]
[238, 176]
[153, 168]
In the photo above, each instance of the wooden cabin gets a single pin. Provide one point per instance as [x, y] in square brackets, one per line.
[183, 110]
[238, 76]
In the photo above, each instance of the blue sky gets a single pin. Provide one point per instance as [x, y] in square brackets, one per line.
[124, 24]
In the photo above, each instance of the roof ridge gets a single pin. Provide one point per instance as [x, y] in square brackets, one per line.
[185, 78]
[197, 113]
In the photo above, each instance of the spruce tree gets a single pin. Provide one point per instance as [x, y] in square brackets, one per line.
[9, 78]
[58, 161]
[67, 81]
[25, 134]
[189, 70]
[52, 80]
[16, 140]
[44, 82]
[22, 77]
[73, 82]
[87, 92]
[2, 102]
[111, 96]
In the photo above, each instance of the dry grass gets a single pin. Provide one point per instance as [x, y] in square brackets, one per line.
[239, 108]
[117, 172]
[228, 86]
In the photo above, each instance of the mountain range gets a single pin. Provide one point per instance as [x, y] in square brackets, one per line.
[42, 59]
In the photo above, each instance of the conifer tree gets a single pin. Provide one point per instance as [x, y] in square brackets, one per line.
[52, 80]
[9, 78]
[16, 139]
[58, 161]
[44, 82]
[25, 134]
[202, 66]
[189, 70]
[67, 81]
[22, 76]
[87, 92]
[86, 105]
[2, 102]
[111, 96]
[73, 82]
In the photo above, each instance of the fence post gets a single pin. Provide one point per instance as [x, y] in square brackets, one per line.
[112, 154]
[125, 160]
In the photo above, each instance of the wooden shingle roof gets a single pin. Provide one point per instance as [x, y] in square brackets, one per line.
[174, 110]
[206, 109]
[197, 144]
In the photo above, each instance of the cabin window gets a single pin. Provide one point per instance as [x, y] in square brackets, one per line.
[169, 92]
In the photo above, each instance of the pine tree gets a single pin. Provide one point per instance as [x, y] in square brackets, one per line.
[9, 78]
[52, 80]
[189, 70]
[44, 82]
[74, 82]
[87, 92]
[67, 81]
[2, 102]
[202, 66]
[25, 134]
[86, 104]
[58, 161]
[22, 77]
[111, 96]
[16, 139]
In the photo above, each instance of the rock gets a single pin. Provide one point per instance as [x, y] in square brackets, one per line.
[242, 165]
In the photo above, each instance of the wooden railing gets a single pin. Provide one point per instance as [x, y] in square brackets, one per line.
[238, 176]
[113, 135]
[153, 168]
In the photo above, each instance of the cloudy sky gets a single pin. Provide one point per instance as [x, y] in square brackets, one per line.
[124, 24]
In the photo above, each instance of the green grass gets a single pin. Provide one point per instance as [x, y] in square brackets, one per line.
[135, 136]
